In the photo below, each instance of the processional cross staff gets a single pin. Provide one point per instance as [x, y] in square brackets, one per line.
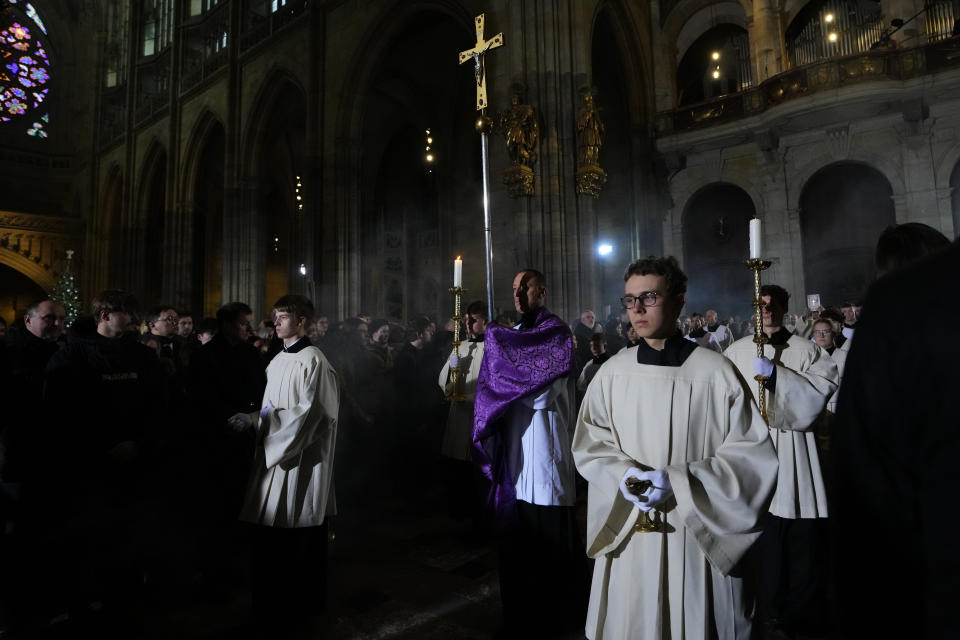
[483, 126]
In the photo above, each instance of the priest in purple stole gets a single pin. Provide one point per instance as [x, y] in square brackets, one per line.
[524, 416]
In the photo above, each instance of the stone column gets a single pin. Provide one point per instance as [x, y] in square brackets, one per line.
[766, 40]
[547, 49]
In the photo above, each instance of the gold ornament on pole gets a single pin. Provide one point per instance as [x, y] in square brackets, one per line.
[758, 264]
[484, 125]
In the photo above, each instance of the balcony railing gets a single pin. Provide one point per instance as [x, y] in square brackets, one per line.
[876, 65]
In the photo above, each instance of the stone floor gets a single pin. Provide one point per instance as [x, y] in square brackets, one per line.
[400, 568]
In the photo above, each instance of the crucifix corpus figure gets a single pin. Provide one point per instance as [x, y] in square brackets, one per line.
[477, 54]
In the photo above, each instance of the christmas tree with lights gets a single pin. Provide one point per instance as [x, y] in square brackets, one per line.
[65, 290]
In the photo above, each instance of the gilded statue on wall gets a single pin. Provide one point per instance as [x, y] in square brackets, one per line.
[520, 126]
[590, 130]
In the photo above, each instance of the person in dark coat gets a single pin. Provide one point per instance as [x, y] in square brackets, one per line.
[25, 527]
[107, 400]
[226, 376]
[896, 446]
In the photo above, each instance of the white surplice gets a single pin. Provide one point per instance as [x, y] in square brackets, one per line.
[806, 377]
[457, 443]
[697, 421]
[292, 479]
[537, 432]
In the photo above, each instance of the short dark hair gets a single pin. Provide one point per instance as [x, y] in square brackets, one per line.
[598, 339]
[299, 306]
[696, 314]
[32, 309]
[376, 324]
[420, 324]
[478, 308]
[901, 244]
[155, 312]
[536, 276]
[666, 266]
[230, 313]
[113, 301]
[184, 314]
[778, 295]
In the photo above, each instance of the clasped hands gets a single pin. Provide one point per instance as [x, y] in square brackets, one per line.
[244, 421]
[658, 491]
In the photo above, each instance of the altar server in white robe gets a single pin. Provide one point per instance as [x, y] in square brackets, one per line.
[457, 443]
[679, 416]
[291, 488]
[792, 555]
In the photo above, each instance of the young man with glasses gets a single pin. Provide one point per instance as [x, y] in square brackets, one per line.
[800, 378]
[669, 430]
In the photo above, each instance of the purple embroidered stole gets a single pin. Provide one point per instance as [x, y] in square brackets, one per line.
[516, 363]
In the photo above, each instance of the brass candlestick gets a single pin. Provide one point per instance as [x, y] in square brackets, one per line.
[759, 337]
[644, 523]
[456, 380]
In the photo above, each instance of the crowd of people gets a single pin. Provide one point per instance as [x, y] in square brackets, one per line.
[136, 445]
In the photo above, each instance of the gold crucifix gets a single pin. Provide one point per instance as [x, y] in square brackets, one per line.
[477, 53]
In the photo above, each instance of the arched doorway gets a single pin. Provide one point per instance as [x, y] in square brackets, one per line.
[617, 212]
[422, 213]
[843, 209]
[18, 292]
[280, 167]
[208, 202]
[715, 240]
[717, 63]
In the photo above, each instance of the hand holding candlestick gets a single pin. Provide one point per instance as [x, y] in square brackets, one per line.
[456, 379]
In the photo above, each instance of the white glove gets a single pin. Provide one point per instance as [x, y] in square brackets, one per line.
[660, 490]
[266, 410]
[240, 421]
[763, 367]
[637, 499]
[454, 361]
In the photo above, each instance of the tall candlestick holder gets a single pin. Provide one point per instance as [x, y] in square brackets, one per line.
[456, 379]
[759, 337]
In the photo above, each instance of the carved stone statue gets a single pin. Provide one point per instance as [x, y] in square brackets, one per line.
[520, 126]
[590, 129]
[521, 131]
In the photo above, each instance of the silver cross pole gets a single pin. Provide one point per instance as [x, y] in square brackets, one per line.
[483, 125]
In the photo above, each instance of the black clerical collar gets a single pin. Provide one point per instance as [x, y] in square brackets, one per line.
[713, 327]
[675, 351]
[779, 338]
[302, 343]
[478, 338]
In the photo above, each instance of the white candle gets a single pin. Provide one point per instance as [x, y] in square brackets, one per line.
[458, 272]
[755, 242]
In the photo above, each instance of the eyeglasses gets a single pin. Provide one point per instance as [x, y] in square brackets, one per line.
[646, 299]
[823, 333]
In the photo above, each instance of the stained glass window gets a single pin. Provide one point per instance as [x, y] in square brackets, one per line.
[24, 69]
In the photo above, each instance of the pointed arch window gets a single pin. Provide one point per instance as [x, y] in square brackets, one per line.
[25, 69]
